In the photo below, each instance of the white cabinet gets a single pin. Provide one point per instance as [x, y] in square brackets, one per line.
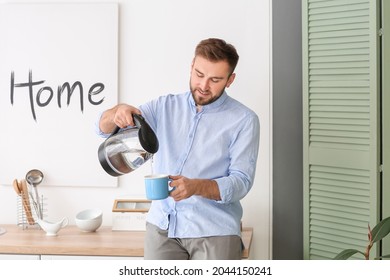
[62, 257]
[68, 257]
[19, 257]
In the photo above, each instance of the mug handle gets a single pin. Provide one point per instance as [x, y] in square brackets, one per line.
[173, 188]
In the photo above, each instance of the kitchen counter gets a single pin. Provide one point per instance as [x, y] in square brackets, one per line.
[71, 241]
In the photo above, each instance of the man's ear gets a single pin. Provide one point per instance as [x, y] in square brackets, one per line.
[231, 79]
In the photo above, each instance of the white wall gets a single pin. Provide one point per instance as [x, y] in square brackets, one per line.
[156, 44]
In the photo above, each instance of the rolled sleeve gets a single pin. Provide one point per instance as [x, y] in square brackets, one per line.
[97, 127]
[243, 153]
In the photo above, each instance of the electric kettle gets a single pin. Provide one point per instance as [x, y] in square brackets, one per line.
[126, 150]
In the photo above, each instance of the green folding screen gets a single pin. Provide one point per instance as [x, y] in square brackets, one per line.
[341, 124]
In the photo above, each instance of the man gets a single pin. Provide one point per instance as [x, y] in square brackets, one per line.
[209, 144]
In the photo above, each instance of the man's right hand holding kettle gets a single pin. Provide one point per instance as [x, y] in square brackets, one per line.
[120, 115]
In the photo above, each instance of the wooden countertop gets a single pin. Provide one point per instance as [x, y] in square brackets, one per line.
[71, 241]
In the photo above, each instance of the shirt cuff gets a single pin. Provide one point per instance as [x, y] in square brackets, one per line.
[225, 189]
[97, 127]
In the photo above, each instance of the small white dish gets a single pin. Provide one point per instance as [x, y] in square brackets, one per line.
[52, 228]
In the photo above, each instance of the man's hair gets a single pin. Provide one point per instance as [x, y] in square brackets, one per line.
[215, 50]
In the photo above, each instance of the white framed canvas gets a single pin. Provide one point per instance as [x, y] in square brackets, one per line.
[58, 71]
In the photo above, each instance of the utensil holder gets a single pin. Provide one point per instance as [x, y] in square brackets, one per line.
[27, 216]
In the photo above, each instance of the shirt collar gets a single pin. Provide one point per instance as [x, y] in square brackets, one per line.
[210, 106]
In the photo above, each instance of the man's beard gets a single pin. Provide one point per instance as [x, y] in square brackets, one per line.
[203, 101]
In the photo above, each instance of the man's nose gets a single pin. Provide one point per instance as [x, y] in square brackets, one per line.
[204, 84]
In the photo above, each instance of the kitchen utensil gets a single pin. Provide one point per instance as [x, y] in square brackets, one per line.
[34, 203]
[34, 177]
[24, 197]
[26, 202]
[126, 150]
[17, 189]
[52, 228]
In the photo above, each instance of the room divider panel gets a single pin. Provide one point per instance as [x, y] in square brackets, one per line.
[342, 124]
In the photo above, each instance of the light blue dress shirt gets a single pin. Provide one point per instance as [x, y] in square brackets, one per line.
[220, 142]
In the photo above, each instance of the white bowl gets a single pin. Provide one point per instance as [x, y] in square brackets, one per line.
[89, 220]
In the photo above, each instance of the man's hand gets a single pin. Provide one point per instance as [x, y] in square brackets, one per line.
[185, 187]
[120, 115]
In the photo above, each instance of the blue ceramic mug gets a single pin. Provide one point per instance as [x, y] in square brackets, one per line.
[157, 186]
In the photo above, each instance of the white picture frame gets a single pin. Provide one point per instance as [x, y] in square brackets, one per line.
[58, 71]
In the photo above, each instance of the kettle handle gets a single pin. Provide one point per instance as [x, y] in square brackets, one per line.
[115, 131]
[146, 135]
[138, 121]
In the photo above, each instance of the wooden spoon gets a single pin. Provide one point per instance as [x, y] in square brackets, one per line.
[17, 188]
[26, 202]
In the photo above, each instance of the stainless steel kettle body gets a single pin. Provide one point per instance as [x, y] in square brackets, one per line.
[126, 150]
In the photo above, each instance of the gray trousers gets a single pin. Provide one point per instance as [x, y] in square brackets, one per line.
[159, 247]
